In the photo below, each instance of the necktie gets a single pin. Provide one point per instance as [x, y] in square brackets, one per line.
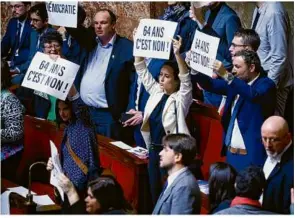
[17, 37]
[230, 128]
[256, 20]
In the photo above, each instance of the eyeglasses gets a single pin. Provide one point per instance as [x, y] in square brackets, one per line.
[17, 6]
[55, 46]
[236, 45]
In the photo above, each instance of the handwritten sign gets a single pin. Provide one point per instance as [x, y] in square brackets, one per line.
[62, 13]
[153, 38]
[203, 52]
[49, 76]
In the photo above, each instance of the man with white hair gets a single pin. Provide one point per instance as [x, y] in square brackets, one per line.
[279, 166]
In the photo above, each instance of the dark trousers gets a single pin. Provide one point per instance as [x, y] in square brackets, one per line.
[41, 107]
[138, 137]
[156, 174]
[105, 124]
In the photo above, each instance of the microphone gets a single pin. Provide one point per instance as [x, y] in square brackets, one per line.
[31, 205]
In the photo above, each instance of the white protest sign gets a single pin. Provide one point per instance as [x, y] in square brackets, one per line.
[153, 38]
[57, 169]
[49, 76]
[62, 13]
[203, 52]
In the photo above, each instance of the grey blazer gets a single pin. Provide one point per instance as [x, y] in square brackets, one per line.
[181, 197]
[276, 50]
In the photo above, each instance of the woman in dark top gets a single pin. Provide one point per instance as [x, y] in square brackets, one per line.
[104, 196]
[79, 148]
[222, 178]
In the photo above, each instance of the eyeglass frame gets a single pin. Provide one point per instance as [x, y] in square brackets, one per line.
[16, 6]
[235, 45]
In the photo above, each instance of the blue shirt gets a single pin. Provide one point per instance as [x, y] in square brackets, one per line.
[92, 84]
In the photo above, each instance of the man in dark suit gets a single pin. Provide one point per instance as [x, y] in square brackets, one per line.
[250, 100]
[181, 194]
[223, 22]
[15, 44]
[107, 73]
[279, 165]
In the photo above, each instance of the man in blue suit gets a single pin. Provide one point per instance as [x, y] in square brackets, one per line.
[40, 26]
[223, 22]
[279, 165]
[250, 100]
[15, 45]
[181, 194]
[107, 72]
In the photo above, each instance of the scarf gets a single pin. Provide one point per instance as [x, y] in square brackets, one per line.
[174, 13]
[241, 200]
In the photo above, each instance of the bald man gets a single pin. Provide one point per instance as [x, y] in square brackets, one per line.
[279, 166]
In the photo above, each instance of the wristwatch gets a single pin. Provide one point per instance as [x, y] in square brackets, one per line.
[229, 77]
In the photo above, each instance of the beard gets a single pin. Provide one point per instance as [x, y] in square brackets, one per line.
[271, 154]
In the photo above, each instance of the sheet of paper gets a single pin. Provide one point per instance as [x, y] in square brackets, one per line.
[42, 200]
[57, 170]
[5, 207]
[21, 191]
[121, 145]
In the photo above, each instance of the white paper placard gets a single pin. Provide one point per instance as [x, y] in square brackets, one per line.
[62, 13]
[49, 76]
[203, 52]
[153, 38]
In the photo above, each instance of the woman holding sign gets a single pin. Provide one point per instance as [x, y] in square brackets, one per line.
[79, 148]
[166, 109]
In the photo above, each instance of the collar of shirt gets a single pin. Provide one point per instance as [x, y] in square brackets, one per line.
[252, 81]
[174, 175]
[110, 43]
[279, 156]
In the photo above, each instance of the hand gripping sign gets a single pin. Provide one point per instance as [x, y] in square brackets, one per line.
[49, 76]
[153, 38]
[203, 52]
[62, 13]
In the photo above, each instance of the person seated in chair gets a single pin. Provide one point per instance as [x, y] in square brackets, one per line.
[12, 126]
[104, 196]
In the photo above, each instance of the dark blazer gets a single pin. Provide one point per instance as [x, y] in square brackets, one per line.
[181, 197]
[224, 24]
[8, 42]
[255, 104]
[119, 71]
[276, 195]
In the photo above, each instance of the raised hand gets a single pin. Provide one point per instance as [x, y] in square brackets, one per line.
[49, 166]
[176, 45]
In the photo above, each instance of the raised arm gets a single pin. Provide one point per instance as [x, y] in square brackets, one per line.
[180, 61]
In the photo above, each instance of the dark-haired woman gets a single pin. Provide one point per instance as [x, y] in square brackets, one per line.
[165, 111]
[79, 148]
[104, 196]
[222, 178]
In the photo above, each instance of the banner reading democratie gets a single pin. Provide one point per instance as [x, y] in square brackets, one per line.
[62, 13]
[49, 76]
[153, 38]
[203, 52]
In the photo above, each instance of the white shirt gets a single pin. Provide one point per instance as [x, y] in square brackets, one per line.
[173, 176]
[237, 140]
[271, 162]
[92, 84]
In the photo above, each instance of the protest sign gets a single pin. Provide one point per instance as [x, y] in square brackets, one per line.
[203, 52]
[62, 13]
[153, 38]
[49, 76]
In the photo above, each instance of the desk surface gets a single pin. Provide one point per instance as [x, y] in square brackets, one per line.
[17, 202]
